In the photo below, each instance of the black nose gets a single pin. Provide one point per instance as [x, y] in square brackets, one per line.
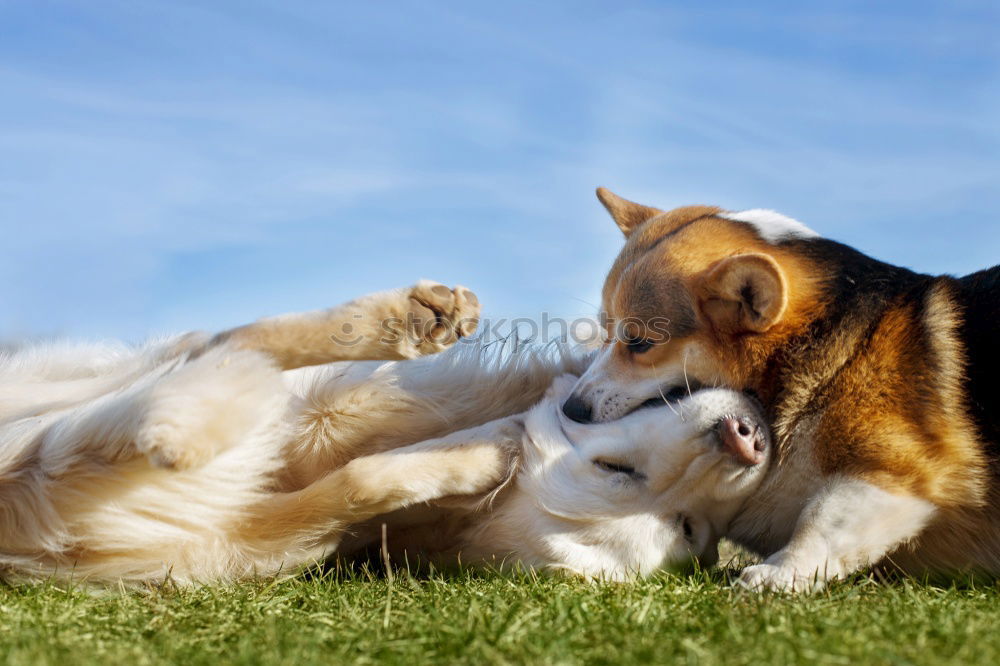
[577, 409]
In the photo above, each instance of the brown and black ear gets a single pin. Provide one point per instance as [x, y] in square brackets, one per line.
[626, 214]
[746, 293]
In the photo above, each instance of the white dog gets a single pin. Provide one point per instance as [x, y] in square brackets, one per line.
[202, 459]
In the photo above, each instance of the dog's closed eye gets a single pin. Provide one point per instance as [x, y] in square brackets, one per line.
[619, 468]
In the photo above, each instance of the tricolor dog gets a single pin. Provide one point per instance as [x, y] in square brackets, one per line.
[260, 450]
[879, 383]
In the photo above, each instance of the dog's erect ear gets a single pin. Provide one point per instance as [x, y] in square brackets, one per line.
[746, 293]
[626, 214]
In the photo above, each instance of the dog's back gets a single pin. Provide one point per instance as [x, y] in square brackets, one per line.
[979, 296]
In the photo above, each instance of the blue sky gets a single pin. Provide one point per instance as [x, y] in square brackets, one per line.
[177, 165]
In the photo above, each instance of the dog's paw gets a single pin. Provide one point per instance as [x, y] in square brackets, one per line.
[438, 315]
[761, 577]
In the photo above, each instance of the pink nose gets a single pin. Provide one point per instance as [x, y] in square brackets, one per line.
[743, 439]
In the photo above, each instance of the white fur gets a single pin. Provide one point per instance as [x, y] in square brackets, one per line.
[135, 464]
[772, 226]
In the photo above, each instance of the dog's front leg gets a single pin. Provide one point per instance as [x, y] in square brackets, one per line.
[477, 461]
[849, 525]
[397, 324]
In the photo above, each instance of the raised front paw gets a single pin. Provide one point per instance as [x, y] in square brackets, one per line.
[438, 316]
[761, 577]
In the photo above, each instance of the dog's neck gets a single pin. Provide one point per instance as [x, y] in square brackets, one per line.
[791, 367]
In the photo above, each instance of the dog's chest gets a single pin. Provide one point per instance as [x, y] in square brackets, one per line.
[766, 521]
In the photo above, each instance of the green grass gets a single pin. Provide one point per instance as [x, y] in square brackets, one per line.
[470, 618]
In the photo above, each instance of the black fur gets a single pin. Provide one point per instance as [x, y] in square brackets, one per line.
[863, 288]
[980, 300]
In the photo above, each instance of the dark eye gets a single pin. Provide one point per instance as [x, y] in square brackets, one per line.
[618, 468]
[638, 345]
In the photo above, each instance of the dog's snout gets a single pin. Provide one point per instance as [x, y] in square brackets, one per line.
[743, 439]
[576, 409]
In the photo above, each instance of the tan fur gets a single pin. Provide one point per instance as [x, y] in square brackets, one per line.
[692, 257]
[875, 434]
[422, 319]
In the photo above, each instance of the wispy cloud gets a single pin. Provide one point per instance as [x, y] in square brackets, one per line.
[181, 165]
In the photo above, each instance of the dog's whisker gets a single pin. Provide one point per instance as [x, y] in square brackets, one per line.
[685, 368]
[659, 390]
[672, 408]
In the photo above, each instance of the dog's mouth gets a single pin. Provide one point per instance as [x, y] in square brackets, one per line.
[669, 395]
[653, 402]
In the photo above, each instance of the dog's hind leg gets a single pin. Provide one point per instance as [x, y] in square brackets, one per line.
[207, 405]
[178, 420]
[398, 324]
